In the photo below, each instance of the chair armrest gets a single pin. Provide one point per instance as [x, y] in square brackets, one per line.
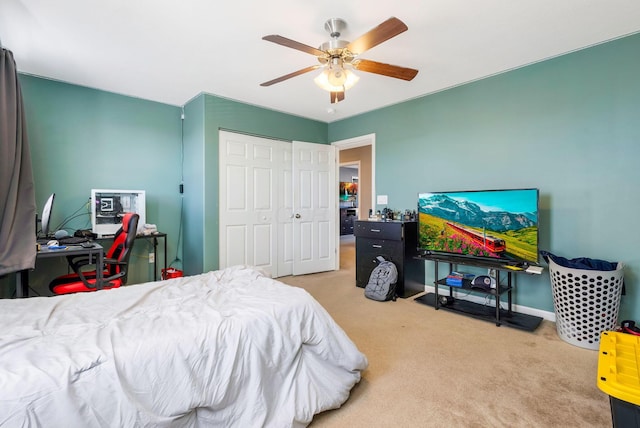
[78, 262]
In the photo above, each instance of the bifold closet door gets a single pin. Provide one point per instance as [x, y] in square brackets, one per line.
[278, 204]
[253, 172]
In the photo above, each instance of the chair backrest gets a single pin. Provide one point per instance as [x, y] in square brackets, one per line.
[120, 250]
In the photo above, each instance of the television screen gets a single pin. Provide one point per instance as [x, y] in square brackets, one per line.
[500, 225]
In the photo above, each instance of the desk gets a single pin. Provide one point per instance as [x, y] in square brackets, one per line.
[154, 240]
[22, 280]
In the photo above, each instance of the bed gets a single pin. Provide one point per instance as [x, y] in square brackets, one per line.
[229, 348]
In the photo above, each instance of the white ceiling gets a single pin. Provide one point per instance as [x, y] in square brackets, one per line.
[172, 50]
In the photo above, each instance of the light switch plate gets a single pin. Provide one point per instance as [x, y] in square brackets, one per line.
[383, 200]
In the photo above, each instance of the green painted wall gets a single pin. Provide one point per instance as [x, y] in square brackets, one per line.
[201, 158]
[83, 138]
[194, 197]
[568, 126]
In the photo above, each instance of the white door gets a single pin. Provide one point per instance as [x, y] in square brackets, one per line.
[251, 189]
[257, 196]
[314, 207]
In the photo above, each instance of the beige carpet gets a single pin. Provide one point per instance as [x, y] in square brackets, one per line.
[431, 368]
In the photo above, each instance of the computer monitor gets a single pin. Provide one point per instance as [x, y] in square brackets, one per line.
[45, 220]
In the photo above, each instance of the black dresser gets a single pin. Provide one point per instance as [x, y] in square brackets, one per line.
[396, 241]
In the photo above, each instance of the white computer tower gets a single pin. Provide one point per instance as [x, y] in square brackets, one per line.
[108, 207]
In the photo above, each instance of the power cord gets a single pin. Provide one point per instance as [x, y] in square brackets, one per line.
[177, 259]
[74, 215]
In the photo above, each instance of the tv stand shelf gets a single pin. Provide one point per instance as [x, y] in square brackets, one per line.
[497, 314]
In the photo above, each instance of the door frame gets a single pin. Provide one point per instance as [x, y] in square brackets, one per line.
[351, 143]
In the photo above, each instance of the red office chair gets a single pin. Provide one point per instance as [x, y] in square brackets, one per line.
[115, 268]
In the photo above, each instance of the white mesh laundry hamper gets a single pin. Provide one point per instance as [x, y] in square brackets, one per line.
[586, 302]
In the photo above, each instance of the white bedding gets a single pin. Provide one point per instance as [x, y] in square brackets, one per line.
[230, 348]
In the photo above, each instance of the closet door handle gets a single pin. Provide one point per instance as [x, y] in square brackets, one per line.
[297, 215]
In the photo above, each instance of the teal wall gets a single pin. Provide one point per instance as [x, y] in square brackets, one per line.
[568, 126]
[82, 138]
[201, 158]
[194, 196]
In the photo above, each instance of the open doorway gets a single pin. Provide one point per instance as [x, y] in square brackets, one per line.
[349, 207]
[357, 157]
[348, 196]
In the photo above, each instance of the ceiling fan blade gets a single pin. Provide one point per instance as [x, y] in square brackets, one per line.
[336, 97]
[385, 69]
[294, 45]
[290, 75]
[383, 32]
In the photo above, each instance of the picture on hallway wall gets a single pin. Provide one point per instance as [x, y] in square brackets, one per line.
[348, 191]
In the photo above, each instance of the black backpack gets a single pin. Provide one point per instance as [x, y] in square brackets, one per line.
[382, 281]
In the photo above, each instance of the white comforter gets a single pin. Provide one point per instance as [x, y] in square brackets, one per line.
[230, 348]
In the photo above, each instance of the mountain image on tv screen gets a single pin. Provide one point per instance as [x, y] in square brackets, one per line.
[494, 224]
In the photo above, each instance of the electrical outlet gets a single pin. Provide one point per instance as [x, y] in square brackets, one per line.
[152, 258]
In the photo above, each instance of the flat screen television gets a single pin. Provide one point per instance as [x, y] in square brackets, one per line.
[491, 225]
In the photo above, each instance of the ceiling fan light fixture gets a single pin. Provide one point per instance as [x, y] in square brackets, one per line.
[336, 76]
[336, 79]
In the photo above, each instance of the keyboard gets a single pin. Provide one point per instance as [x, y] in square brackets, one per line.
[72, 240]
[67, 240]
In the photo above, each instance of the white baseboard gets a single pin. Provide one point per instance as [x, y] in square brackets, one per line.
[477, 298]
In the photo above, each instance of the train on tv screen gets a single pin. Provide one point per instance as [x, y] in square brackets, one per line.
[493, 225]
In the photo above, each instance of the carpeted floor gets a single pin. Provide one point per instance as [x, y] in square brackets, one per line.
[431, 368]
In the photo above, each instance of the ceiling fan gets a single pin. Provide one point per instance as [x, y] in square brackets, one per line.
[338, 57]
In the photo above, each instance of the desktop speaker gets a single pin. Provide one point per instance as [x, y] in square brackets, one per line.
[484, 282]
[445, 300]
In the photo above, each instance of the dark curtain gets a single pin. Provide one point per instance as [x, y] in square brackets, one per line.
[17, 195]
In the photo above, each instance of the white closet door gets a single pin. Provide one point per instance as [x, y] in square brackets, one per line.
[285, 216]
[251, 189]
[263, 183]
[314, 207]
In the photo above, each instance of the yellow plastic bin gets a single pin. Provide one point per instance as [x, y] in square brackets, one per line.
[618, 376]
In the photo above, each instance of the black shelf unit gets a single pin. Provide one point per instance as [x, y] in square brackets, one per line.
[347, 218]
[396, 241]
[495, 314]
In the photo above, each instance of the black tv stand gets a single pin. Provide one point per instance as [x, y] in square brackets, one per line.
[497, 314]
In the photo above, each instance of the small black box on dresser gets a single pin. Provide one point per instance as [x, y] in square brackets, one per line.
[396, 241]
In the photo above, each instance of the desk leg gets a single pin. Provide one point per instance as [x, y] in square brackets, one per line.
[155, 258]
[22, 284]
